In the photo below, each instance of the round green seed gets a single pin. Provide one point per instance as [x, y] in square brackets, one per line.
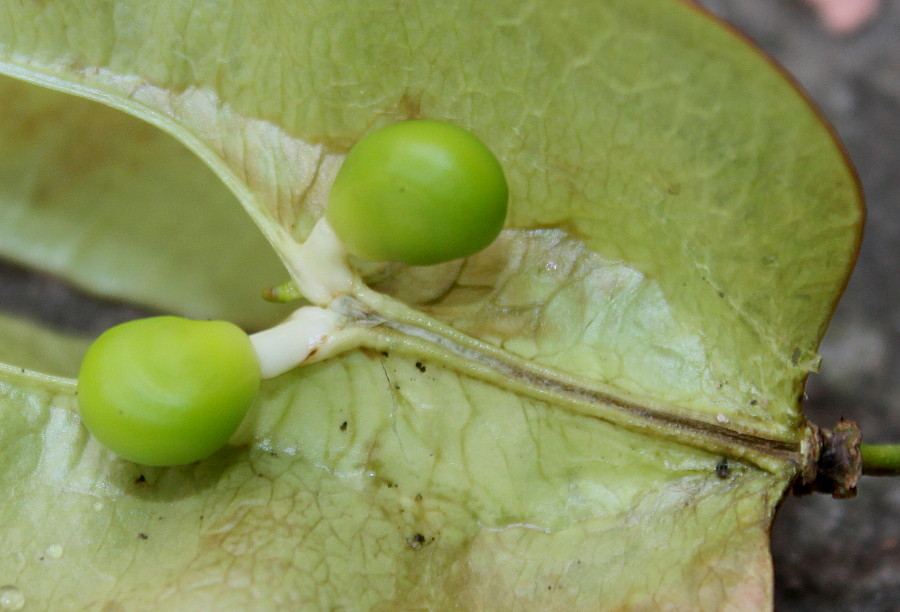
[419, 192]
[167, 390]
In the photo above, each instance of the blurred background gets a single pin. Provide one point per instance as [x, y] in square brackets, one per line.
[829, 555]
[845, 555]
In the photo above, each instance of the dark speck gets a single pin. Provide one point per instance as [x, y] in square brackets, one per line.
[415, 541]
[143, 536]
[722, 469]
[343, 426]
[385, 354]
[420, 366]
[140, 480]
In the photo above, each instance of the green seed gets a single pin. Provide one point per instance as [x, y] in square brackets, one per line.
[419, 192]
[167, 390]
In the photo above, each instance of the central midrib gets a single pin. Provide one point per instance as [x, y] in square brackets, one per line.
[399, 330]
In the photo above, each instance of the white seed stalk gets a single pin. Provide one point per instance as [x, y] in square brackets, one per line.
[319, 266]
[307, 332]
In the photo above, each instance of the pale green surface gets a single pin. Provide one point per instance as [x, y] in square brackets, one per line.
[23, 344]
[515, 497]
[682, 167]
[118, 207]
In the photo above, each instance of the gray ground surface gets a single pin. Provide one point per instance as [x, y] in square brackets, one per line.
[829, 555]
[845, 555]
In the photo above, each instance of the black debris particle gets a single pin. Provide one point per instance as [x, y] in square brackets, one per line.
[721, 294]
[418, 497]
[722, 469]
[143, 536]
[140, 480]
[385, 354]
[753, 402]
[420, 366]
[417, 541]
[343, 426]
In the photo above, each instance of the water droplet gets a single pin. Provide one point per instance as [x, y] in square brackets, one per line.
[54, 551]
[11, 598]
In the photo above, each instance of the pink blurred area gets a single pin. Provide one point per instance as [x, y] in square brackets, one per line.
[845, 16]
